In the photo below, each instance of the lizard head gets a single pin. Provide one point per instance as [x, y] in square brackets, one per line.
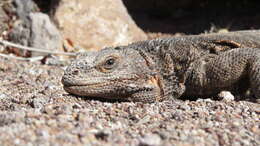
[113, 73]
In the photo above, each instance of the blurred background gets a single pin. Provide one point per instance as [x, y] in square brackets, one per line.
[189, 16]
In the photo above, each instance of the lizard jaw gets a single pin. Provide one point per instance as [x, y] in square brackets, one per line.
[148, 91]
[110, 89]
[87, 91]
[91, 90]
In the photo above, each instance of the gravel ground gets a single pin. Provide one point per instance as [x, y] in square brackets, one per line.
[35, 110]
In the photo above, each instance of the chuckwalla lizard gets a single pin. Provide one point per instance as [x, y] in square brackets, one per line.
[154, 70]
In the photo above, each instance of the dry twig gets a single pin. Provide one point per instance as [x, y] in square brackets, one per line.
[31, 59]
[7, 43]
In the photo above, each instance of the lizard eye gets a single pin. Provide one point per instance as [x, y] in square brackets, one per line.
[109, 64]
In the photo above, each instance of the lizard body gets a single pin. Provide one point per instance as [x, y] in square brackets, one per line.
[153, 70]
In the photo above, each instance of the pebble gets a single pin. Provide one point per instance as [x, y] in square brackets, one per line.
[226, 96]
[150, 140]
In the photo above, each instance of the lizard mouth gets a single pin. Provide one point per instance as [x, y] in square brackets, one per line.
[123, 90]
[83, 84]
[95, 91]
[103, 90]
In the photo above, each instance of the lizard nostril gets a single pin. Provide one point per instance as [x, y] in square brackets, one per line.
[75, 72]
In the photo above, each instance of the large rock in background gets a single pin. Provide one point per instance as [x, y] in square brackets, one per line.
[94, 24]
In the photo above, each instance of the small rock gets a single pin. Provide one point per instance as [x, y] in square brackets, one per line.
[150, 140]
[3, 96]
[42, 133]
[102, 135]
[177, 115]
[44, 34]
[49, 109]
[34, 29]
[144, 120]
[65, 109]
[226, 95]
[39, 102]
[17, 141]
[258, 101]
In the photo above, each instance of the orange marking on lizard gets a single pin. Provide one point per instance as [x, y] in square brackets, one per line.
[157, 82]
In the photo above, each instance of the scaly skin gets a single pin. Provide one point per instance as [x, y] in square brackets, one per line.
[153, 70]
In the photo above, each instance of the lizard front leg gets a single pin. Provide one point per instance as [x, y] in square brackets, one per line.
[213, 73]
